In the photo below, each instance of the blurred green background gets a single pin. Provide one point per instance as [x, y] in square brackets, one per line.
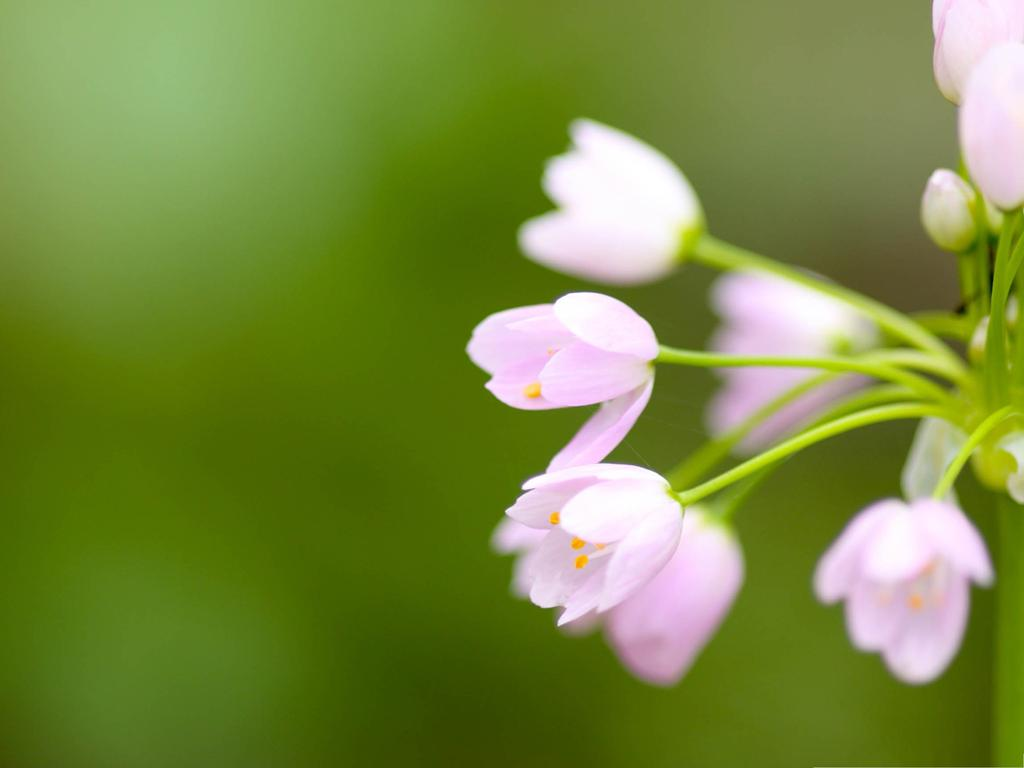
[247, 475]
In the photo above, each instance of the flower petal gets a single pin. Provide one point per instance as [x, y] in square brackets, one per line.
[603, 431]
[608, 511]
[554, 577]
[659, 631]
[642, 554]
[609, 248]
[607, 324]
[594, 473]
[519, 385]
[874, 613]
[839, 568]
[534, 508]
[584, 375]
[936, 444]
[954, 537]
[899, 547]
[929, 639]
[494, 345]
[1013, 444]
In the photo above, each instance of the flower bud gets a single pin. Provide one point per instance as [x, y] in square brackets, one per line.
[965, 30]
[992, 126]
[947, 211]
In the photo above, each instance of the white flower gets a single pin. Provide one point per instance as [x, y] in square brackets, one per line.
[626, 213]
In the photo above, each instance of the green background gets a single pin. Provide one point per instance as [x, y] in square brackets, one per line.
[247, 475]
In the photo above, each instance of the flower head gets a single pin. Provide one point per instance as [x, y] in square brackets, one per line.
[765, 315]
[584, 349]
[904, 572]
[626, 213]
[658, 632]
[608, 530]
[992, 126]
[965, 30]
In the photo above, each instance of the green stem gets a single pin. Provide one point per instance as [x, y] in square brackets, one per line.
[948, 325]
[1008, 674]
[721, 255]
[968, 289]
[981, 258]
[806, 439]
[964, 454]
[919, 384]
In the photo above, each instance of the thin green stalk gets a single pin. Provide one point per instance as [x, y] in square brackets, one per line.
[964, 454]
[919, 384]
[1008, 672]
[995, 341]
[968, 288]
[725, 508]
[948, 325]
[981, 257]
[1017, 374]
[806, 439]
[721, 255]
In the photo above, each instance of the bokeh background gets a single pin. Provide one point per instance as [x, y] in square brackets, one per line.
[247, 476]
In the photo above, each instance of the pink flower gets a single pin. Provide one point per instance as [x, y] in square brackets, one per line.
[765, 315]
[627, 214]
[904, 571]
[608, 530]
[992, 126]
[965, 30]
[512, 538]
[584, 349]
[658, 632]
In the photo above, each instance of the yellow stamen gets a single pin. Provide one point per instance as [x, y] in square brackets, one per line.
[578, 544]
[555, 517]
[600, 546]
[532, 391]
[915, 602]
[581, 561]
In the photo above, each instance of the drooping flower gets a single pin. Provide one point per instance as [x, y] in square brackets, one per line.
[608, 530]
[514, 538]
[584, 349]
[904, 571]
[765, 315]
[658, 632]
[626, 213]
[992, 126]
[966, 30]
[947, 211]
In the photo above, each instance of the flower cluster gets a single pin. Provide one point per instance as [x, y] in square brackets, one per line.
[654, 560]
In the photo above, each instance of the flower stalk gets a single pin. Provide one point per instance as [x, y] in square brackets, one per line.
[1008, 671]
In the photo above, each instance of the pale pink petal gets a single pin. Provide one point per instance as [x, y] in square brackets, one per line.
[839, 568]
[898, 549]
[609, 511]
[584, 375]
[936, 444]
[607, 249]
[603, 431]
[554, 575]
[584, 625]
[534, 508]
[516, 385]
[874, 613]
[594, 472]
[930, 638]
[585, 599]
[953, 536]
[992, 126]
[494, 345]
[628, 173]
[642, 554]
[658, 632]
[607, 324]
[511, 536]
